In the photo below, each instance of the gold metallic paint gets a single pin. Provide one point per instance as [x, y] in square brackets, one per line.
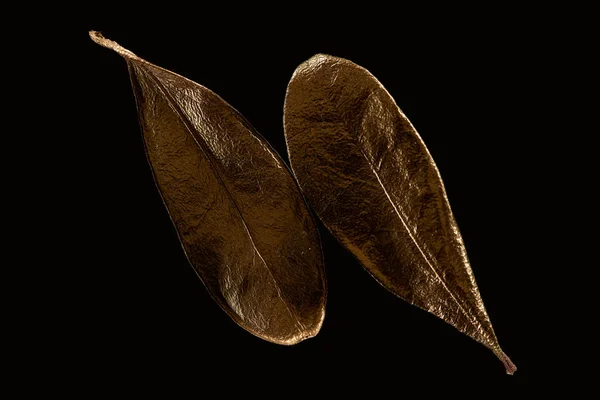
[239, 214]
[368, 175]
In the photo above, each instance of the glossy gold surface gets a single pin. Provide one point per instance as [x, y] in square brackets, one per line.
[239, 214]
[364, 169]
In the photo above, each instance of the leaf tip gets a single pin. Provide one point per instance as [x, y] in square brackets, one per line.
[320, 58]
[98, 38]
[304, 334]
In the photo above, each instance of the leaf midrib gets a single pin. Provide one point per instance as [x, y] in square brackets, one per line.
[469, 315]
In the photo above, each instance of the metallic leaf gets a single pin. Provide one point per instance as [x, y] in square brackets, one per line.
[239, 214]
[369, 177]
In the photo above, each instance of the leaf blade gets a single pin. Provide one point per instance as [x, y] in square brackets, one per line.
[352, 149]
[238, 212]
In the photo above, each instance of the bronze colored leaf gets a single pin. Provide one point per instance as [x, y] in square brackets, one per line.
[239, 214]
[369, 177]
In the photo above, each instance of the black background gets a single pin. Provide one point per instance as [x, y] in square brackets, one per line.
[142, 317]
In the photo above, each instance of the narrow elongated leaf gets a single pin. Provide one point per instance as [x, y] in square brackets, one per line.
[368, 175]
[240, 216]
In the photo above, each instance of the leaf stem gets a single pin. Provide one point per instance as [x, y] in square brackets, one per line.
[109, 44]
[508, 364]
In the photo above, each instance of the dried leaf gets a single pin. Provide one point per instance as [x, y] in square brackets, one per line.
[239, 214]
[368, 175]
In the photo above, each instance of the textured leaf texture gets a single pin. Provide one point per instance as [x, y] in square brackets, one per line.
[238, 211]
[368, 175]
